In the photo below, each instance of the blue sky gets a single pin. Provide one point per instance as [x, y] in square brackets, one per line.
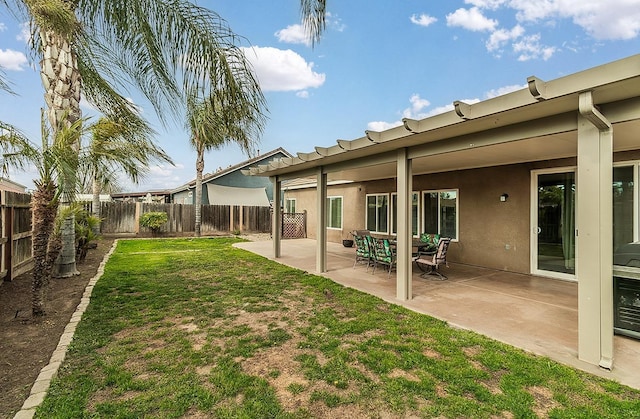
[378, 62]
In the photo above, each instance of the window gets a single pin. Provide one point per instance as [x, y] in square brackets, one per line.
[290, 205]
[440, 211]
[334, 212]
[624, 207]
[414, 213]
[377, 213]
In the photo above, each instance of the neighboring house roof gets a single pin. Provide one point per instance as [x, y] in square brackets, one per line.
[87, 197]
[223, 172]
[138, 194]
[11, 186]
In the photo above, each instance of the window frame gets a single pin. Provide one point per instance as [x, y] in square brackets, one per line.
[330, 200]
[394, 210]
[439, 221]
[287, 206]
[366, 212]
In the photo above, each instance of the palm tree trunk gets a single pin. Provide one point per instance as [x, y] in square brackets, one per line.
[45, 208]
[62, 83]
[198, 203]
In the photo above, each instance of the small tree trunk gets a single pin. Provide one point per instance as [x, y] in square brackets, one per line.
[198, 202]
[45, 208]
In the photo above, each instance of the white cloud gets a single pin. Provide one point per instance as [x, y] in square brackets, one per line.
[282, 70]
[423, 19]
[382, 126]
[471, 19]
[3, 27]
[530, 48]
[500, 37]
[334, 22]
[417, 106]
[12, 60]
[303, 94]
[486, 4]
[294, 34]
[604, 20]
[504, 90]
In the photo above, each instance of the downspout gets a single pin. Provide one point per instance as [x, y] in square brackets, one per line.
[593, 115]
[587, 110]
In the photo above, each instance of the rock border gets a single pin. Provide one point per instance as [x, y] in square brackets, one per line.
[48, 372]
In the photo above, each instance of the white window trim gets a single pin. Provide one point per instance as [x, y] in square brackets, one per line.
[392, 212]
[295, 203]
[457, 191]
[329, 198]
[366, 211]
[636, 195]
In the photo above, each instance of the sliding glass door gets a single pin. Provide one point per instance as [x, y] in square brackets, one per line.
[554, 239]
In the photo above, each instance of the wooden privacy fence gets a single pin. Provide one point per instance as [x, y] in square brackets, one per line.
[123, 218]
[16, 255]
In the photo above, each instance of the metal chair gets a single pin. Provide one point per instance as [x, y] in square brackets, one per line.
[384, 255]
[429, 263]
[363, 253]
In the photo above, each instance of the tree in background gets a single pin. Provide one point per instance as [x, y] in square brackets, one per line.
[213, 122]
[165, 48]
[115, 149]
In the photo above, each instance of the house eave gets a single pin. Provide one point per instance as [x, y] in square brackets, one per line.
[609, 83]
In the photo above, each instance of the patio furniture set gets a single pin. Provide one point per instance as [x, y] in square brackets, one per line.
[431, 252]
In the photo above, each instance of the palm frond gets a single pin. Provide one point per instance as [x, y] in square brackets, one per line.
[168, 48]
[313, 14]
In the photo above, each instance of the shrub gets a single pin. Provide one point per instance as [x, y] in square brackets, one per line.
[153, 220]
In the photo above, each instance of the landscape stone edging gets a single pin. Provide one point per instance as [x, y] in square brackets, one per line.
[48, 372]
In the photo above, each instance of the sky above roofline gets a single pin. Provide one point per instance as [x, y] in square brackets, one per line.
[377, 63]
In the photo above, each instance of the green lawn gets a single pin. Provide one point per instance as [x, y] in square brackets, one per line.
[195, 328]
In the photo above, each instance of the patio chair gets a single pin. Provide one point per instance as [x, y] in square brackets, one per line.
[363, 253]
[432, 240]
[429, 263]
[384, 255]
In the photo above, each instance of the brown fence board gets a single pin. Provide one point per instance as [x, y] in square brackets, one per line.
[16, 248]
[123, 218]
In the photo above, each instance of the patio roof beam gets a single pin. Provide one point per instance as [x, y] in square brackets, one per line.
[374, 160]
[547, 126]
[537, 88]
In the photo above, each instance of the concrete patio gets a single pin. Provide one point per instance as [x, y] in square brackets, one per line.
[539, 315]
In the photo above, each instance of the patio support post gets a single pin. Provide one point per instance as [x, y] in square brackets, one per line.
[276, 225]
[594, 245]
[321, 234]
[404, 286]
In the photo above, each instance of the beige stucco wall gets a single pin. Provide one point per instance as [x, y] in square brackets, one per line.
[492, 233]
[353, 202]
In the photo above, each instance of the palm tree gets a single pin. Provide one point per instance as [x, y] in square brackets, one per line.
[163, 47]
[313, 18]
[114, 148]
[56, 162]
[213, 123]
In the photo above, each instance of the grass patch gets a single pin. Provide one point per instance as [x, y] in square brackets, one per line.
[197, 328]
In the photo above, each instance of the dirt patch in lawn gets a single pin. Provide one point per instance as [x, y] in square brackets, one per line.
[26, 344]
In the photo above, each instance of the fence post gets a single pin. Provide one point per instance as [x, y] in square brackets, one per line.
[136, 220]
[6, 237]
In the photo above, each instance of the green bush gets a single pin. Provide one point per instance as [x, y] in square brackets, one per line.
[153, 220]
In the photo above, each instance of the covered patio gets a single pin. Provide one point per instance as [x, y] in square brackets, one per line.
[539, 315]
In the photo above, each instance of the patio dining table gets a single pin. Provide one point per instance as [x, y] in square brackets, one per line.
[424, 248]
